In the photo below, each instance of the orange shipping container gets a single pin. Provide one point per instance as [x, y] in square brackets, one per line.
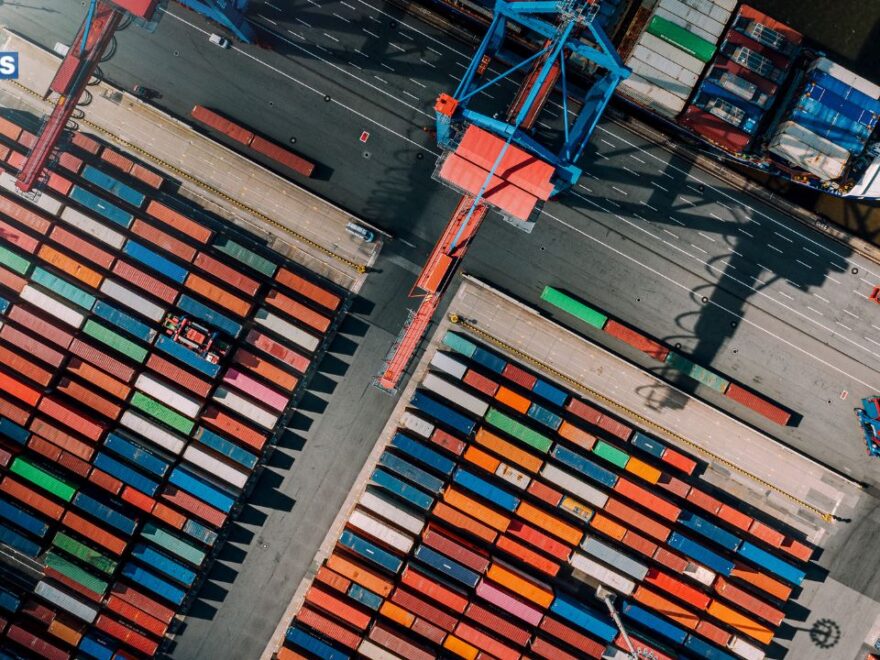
[67, 631]
[639, 543]
[636, 519]
[105, 481]
[479, 511]
[14, 412]
[713, 633]
[138, 499]
[163, 240]
[93, 533]
[266, 369]
[434, 590]
[766, 533]
[576, 435]
[521, 585]
[357, 573]
[666, 608]
[736, 518]
[512, 453]
[481, 459]
[510, 398]
[285, 653]
[298, 311]
[748, 602]
[19, 364]
[9, 129]
[704, 500]
[460, 648]
[18, 389]
[328, 628]
[397, 614]
[485, 642]
[217, 295]
[62, 438]
[328, 602]
[544, 493]
[332, 579]
[551, 524]
[608, 526]
[20, 239]
[741, 622]
[136, 616]
[527, 556]
[23, 215]
[98, 378]
[168, 515]
[641, 469]
[179, 222]
[88, 397]
[149, 177]
[460, 521]
[70, 266]
[648, 500]
[677, 588]
[31, 498]
[117, 159]
[226, 274]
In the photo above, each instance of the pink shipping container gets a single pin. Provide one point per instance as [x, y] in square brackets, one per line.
[254, 388]
[226, 274]
[27, 139]
[498, 624]
[398, 645]
[81, 247]
[101, 360]
[70, 162]
[31, 346]
[12, 281]
[145, 282]
[501, 599]
[428, 630]
[40, 327]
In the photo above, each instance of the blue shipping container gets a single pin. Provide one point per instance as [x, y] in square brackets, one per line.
[313, 645]
[104, 513]
[585, 466]
[423, 454]
[370, 551]
[489, 360]
[772, 563]
[709, 90]
[125, 474]
[9, 602]
[828, 124]
[411, 473]
[4, 305]
[831, 100]
[208, 315]
[97, 646]
[137, 454]
[445, 566]
[102, 207]
[485, 490]
[709, 530]
[13, 431]
[850, 95]
[649, 445]
[198, 487]
[113, 186]
[23, 519]
[15, 540]
[229, 449]
[656, 624]
[404, 491]
[142, 577]
[585, 618]
[705, 650]
[544, 416]
[365, 597]
[550, 392]
[199, 532]
[700, 554]
[160, 562]
[442, 413]
[124, 321]
[182, 353]
[155, 261]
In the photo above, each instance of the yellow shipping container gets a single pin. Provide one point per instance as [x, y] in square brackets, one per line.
[459, 647]
[643, 470]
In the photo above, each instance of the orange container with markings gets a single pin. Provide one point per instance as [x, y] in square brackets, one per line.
[703, 500]
[298, 311]
[328, 602]
[741, 622]
[179, 222]
[608, 526]
[576, 435]
[482, 459]
[434, 590]
[217, 295]
[473, 508]
[651, 502]
[510, 398]
[397, 614]
[98, 378]
[357, 573]
[665, 607]
[266, 369]
[551, 524]
[459, 520]
[520, 584]
[641, 469]
[761, 581]
[529, 557]
[508, 451]
[163, 240]
[66, 630]
[70, 266]
[308, 289]
[460, 648]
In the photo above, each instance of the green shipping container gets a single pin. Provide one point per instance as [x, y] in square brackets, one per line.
[162, 413]
[39, 477]
[84, 553]
[680, 38]
[13, 261]
[522, 433]
[173, 544]
[611, 454]
[698, 373]
[116, 341]
[241, 253]
[574, 307]
[459, 344]
[63, 288]
[75, 573]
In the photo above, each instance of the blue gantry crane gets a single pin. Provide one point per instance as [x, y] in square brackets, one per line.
[869, 419]
[228, 13]
[496, 162]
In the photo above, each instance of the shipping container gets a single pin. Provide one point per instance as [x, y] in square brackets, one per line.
[483, 513]
[311, 644]
[637, 340]
[423, 454]
[703, 650]
[255, 389]
[298, 311]
[771, 563]
[584, 566]
[740, 622]
[102, 207]
[447, 364]
[283, 328]
[186, 356]
[454, 394]
[91, 227]
[657, 625]
[748, 602]
[160, 562]
[245, 434]
[179, 221]
[155, 434]
[126, 474]
[442, 413]
[151, 582]
[709, 530]
[677, 588]
[113, 186]
[282, 353]
[464, 523]
[376, 529]
[308, 289]
[585, 466]
[700, 553]
[370, 552]
[245, 407]
[758, 404]
[391, 511]
[568, 304]
[203, 488]
[151, 285]
[508, 451]
[597, 625]
[105, 513]
[217, 295]
[226, 448]
[282, 156]
[226, 274]
[485, 489]
[245, 256]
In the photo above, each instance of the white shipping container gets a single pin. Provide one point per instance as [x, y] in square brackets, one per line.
[720, 10]
[869, 184]
[381, 532]
[699, 573]
[416, 424]
[659, 78]
[614, 653]
[132, 300]
[245, 408]
[66, 602]
[695, 30]
[391, 511]
[603, 574]
[651, 96]
[182, 403]
[613, 557]
[571, 484]
[846, 76]
[373, 651]
[215, 467]
[513, 476]
[745, 650]
[287, 330]
[92, 227]
[448, 364]
[695, 18]
[576, 508]
[51, 306]
[454, 394]
[670, 52]
[670, 68]
[809, 151]
[158, 436]
[44, 201]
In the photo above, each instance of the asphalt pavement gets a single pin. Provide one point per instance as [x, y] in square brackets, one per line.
[646, 237]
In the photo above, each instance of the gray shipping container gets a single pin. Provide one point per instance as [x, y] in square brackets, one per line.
[614, 558]
[68, 603]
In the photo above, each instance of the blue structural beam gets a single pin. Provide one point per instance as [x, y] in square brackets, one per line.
[228, 13]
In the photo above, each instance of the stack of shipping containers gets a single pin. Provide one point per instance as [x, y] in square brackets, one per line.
[500, 504]
[124, 448]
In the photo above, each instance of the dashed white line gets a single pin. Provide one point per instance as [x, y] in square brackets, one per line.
[330, 36]
[381, 80]
[846, 327]
[685, 199]
[434, 50]
[341, 18]
[697, 247]
[637, 159]
[670, 233]
[804, 264]
[355, 65]
[423, 86]
[784, 238]
[875, 327]
[386, 66]
[303, 22]
[816, 311]
[412, 96]
[342, 2]
[648, 205]
[774, 248]
[695, 189]
[296, 34]
[873, 341]
[374, 19]
[372, 34]
[360, 52]
[406, 36]
[707, 237]
[740, 229]
[717, 217]
[836, 281]
[269, 4]
[610, 144]
[633, 172]
[319, 47]
[268, 20]
[868, 282]
[855, 316]
[676, 220]
[657, 185]
[621, 191]
[666, 174]
[393, 45]
[424, 61]
[823, 299]
[545, 125]
[783, 293]
[806, 249]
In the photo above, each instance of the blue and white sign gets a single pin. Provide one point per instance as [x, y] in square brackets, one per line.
[8, 65]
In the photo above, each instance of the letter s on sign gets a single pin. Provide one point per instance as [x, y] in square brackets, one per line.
[8, 65]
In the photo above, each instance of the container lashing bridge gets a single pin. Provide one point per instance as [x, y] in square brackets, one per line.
[496, 163]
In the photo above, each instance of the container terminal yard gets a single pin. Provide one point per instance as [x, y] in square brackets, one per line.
[628, 432]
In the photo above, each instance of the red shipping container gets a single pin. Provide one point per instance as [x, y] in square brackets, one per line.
[66, 415]
[657, 505]
[330, 629]
[23, 215]
[38, 611]
[94, 533]
[39, 646]
[643, 649]
[62, 438]
[136, 616]
[283, 156]
[193, 505]
[485, 642]
[81, 247]
[149, 177]
[713, 633]
[33, 499]
[9, 129]
[797, 549]
[335, 606]
[59, 184]
[637, 340]
[447, 441]
[282, 353]
[704, 501]
[40, 327]
[74, 464]
[615, 428]
[31, 346]
[332, 579]
[670, 560]
[298, 311]
[27, 139]
[74, 586]
[636, 519]
[138, 499]
[21, 365]
[748, 602]
[401, 647]
[673, 485]
[677, 588]
[105, 481]
[639, 543]
[145, 282]
[434, 590]
[18, 238]
[226, 274]
[715, 130]
[539, 540]
[117, 160]
[169, 516]
[758, 404]
[142, 602]
[44, 448]
[464, 522]
[101, 360]
[219, 123]
[544, 493]
[498, 624]
[12, 281]
[736, 518]
[534, 559]
[88, 397]
[178, 375]
[218, 296]
[544, 649]
[573, 637]
[179, 222]
[86, 143]
[519, 376]
[583, 410]
[480, 383]
[70, 162]
[766, 533]
[167, 242]
[308, 289]
[218, 419]
[18, 389]
[98, 378]
[679, 460]
[428, 630]
[126, 635]
[16, 160]
[423, 609]
[14, 412]
[448, 545]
